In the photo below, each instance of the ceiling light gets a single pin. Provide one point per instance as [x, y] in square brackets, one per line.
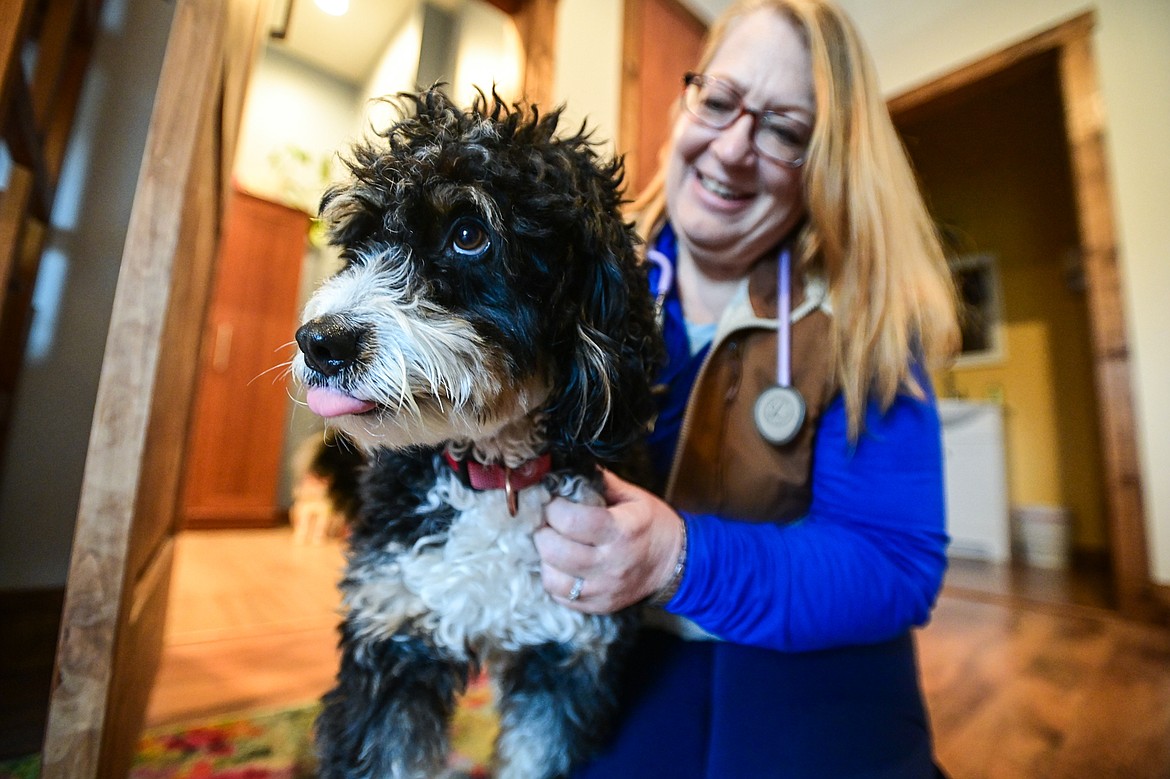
[334, 7]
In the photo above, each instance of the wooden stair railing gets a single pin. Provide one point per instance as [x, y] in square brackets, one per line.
[44, 51]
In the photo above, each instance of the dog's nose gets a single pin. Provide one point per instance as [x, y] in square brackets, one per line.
[329, 344]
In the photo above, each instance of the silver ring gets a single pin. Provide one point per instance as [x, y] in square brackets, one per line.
[578, 585]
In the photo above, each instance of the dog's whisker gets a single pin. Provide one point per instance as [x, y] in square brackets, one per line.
[294, 398]
[285, 369]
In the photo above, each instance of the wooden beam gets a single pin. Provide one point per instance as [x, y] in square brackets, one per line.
[536, 21]
[101, 587]
[27, 148]
[53, 54]
[14, 20]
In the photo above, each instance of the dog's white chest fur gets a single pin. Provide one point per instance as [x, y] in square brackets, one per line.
[476, 586]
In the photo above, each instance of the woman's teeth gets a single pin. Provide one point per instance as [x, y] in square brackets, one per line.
[717, 189]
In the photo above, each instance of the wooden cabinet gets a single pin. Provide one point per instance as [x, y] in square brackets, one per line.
[234, 455]
[661, 41]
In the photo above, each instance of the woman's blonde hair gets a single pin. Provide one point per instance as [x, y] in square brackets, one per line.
[867, 228]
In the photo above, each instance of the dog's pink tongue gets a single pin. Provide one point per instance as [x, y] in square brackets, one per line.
[331, 403]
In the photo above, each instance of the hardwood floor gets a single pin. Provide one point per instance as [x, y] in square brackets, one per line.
[1086, 582]
[1034, 692]
[1021, 681]
[251, 623]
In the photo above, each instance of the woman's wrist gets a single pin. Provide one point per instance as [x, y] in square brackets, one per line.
[668, 590]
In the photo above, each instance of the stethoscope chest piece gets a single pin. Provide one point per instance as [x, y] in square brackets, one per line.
[779, 411]
[779, 414]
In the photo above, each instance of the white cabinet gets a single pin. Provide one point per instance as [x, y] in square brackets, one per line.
[976, 479]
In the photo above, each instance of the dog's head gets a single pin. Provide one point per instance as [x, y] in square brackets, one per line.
[491, 295]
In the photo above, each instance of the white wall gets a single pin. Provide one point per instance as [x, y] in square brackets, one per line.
[58, 387]
[395, 72]
[489, 54]
[587, 77]
[916, 40]
[295, 119]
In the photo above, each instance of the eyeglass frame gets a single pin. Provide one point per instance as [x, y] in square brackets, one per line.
[697, 81]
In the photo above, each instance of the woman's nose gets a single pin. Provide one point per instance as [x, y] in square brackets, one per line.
[733, 144]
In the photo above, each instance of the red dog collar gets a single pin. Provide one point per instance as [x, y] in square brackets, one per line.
[500, 477]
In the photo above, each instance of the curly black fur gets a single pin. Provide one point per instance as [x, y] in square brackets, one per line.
[492, 304]
[340, 462]
[565, 243]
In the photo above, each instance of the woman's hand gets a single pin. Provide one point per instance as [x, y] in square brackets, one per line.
[623, 552]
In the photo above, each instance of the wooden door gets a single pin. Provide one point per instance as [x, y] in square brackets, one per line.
[662, 41]
[115, 599]
[1072, 44]
[237, 433]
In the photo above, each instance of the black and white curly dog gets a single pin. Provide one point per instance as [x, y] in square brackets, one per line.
[490, 342]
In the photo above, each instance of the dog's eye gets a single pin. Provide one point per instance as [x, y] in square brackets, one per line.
[469, 238]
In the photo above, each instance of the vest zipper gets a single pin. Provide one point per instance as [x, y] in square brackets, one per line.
[689, 412]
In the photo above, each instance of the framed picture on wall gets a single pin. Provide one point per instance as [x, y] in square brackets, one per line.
[980, 309]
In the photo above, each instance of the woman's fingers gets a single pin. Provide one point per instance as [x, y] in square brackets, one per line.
[584, 524]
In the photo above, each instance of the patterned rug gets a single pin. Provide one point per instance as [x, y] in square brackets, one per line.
[278, 745]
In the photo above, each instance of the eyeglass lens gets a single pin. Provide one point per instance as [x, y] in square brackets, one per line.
[717, 105]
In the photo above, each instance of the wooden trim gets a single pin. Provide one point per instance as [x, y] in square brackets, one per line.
[1085, 127]
[270, 519]
[1071, 43]
[12, 34]
[156, 575]
[510, 7]
[232, 516]
[1049, 40]
[36, 115]
[1161, 593]
[630, 124]
[67, 28]
[13, 206]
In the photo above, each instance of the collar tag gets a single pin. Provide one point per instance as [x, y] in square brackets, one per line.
[497, 476]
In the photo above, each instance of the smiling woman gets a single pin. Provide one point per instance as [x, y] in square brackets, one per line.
[802, 251]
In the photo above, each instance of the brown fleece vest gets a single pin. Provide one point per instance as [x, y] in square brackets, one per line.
[723, 465]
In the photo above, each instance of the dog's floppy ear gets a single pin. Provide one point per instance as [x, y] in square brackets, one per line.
[350, 217]
[606, 403]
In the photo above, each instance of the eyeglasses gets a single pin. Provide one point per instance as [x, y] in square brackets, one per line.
[717, 104]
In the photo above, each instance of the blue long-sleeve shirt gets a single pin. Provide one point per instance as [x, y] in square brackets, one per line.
[865, 563]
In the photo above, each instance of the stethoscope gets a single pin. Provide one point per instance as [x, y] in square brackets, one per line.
[779, 411]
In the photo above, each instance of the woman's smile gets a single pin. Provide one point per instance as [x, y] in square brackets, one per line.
[721, 191]
[730, 204]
